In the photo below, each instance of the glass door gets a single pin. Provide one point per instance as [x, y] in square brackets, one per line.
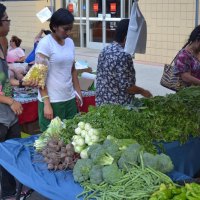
[102, 17]
[78, 9]
[96, 20]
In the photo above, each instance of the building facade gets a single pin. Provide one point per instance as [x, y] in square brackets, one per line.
[169, 23]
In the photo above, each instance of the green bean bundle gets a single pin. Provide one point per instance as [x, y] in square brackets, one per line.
[137, 184]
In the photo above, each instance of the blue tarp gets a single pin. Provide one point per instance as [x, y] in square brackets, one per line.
[184, 156]
[19, 158]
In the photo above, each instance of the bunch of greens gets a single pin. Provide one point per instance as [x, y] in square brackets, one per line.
[169, 118]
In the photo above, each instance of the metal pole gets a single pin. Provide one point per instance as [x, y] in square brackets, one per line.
[197, 13]
[81, 24]
[52, 5]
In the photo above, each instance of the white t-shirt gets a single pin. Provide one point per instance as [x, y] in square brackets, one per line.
[61, 58]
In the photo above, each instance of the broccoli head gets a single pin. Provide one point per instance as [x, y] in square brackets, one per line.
[149, 160]
[92, 148]
[122, 143]
[130, 156]
[164, 163]
[112, 148]
[100, 156]
[96, 174]
[81, 170]
[111, 173]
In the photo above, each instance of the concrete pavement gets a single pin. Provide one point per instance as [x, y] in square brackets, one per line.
[147, 75]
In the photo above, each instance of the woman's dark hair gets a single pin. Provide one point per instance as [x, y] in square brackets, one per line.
[2, 11]
[121, 31]
[61, 17]
[194, 36]
[16, 40]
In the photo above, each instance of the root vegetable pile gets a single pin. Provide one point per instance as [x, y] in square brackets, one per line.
[59, 156]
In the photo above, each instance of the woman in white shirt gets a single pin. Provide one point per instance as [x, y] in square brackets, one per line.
[58, 97]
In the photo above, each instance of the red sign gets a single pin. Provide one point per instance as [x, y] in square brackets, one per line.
[113, 7]
[95, 7]
[71, 7]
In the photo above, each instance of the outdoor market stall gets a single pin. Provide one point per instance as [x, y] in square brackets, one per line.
[28, 98]
[17, 156]
[159, 124]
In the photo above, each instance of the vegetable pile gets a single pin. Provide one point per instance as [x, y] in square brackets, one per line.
[107, 162]
[170, 118]
[118, 159]
[59, 156]
[38, 72]
[85, 137]
[191, 191]
[53, 132]
[138, 183]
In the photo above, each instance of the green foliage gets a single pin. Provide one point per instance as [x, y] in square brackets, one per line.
[169, 118]
[112, 174]
[81, 170]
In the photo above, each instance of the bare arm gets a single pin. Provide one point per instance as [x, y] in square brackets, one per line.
[138, 90]
[187, 77]
[48, 111]
[15, 106]
[76, 81]
[21, 59]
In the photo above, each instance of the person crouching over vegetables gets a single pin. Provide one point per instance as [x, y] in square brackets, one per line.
[58, 97]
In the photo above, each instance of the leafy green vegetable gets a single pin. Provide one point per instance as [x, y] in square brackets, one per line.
[81, 170]
[96, 174]
[169, 118]
[130, 156]
[100, 156]
[112, 174]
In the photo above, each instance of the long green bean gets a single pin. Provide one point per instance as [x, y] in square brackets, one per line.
[137, 184]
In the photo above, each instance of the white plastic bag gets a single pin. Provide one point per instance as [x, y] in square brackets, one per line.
[137, 32]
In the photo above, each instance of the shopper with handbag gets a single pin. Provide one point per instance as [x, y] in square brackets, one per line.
[187, 62]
